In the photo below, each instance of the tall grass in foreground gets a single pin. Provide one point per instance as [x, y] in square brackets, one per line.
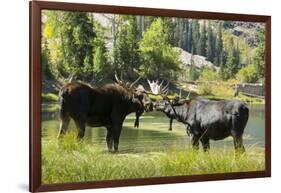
[70, 160]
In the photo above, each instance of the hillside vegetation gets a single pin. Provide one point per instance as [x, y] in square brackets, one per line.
[95, 46]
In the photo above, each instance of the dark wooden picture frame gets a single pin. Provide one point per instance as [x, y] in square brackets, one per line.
[35, 8]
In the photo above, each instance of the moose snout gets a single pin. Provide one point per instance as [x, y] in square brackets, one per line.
[156, 105]
[150, 107]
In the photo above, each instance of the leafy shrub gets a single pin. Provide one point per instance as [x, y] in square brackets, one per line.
[160, 59]
[209, 74]
[205, 89]
[248, 74]
[217, 88]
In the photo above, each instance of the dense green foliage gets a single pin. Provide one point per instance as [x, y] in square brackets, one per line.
[127, 56]
[100, 62]
[211, 43]
[259, 61]
[77, 43]
[219, 54]
[208, 74]
[45, 62]
[203, 41]
[69, 36]
[159, 58]
[248, 74]
[193, 71]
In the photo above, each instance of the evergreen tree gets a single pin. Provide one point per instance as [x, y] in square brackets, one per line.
[193, 72]
[100, 53]
[222, 74]
[127, 55]
[172, 30]
[203, 41]
[160, 60]
[148, 20]
[185, 35]
[190, 38]
[210, 43]
[232, 58]
[46, 74]
[259, 60]
[78, 42]
[219, 47]
[237, 56]
[140, 20]
[196, 35]
[176, 33]
[182, 33]
[70, 38]
[231, 65]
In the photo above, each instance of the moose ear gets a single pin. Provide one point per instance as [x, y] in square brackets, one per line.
[138, 95]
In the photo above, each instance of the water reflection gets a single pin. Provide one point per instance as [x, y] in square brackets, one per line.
[153, 133]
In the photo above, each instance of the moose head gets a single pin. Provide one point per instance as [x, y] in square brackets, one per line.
[139, 94]
[160, 90]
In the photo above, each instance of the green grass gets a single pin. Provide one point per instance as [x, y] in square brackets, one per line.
[70, 160]
[252, 100]
[159, 97]
[222, 91]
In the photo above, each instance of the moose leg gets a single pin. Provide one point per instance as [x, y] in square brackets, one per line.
[171, 123]
[195, 142]
[80, 124]
[137, 121]
[237, 134]
[238, 144]
[109, 138]
[206, 144]
[188, 131]
[117, 123]
[116, 135]
[64, 122]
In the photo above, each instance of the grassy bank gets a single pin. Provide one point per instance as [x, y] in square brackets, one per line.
[224, 90]
[208, 90]
[72, 161]
[247, 99]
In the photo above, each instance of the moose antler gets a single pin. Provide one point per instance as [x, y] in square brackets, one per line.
[127, 84]
[131, 86]
[156, 88]
[72, 77]
[117, 79]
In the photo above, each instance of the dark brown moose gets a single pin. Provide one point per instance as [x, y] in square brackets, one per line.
[106, 106]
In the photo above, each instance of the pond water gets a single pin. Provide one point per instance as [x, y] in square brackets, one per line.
[153, 132]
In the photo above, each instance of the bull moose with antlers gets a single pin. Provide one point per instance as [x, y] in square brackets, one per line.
[206, 119]
[106, 106]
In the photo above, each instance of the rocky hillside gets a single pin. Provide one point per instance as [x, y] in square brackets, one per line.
[246, 30]
[242, 30]
[199, 61]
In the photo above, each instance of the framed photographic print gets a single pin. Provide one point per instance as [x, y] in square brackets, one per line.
[123, 96]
